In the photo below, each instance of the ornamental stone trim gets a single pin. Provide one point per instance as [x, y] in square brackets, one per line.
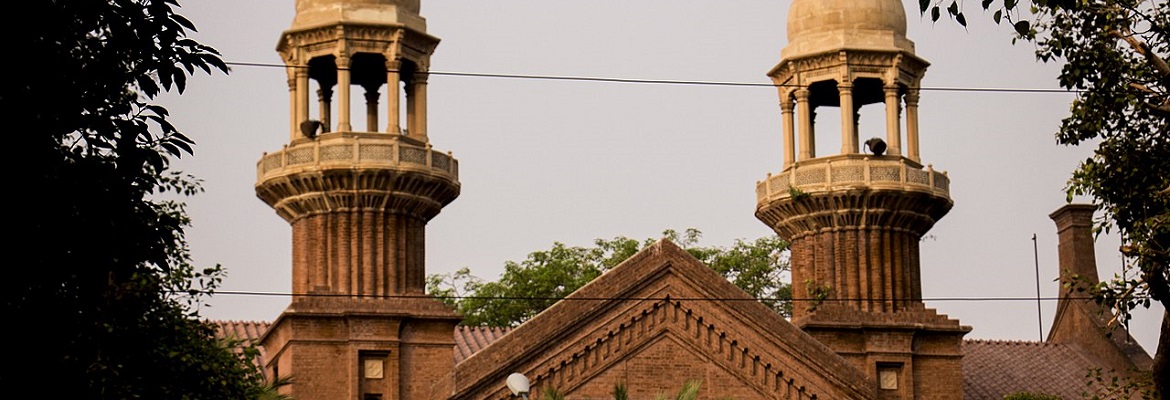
[609, 345]
[852, 171]
[346, 171]
[373, 150]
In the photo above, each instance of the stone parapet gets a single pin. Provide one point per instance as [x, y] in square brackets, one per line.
[853, 191]
[852, 171]
[357, 172]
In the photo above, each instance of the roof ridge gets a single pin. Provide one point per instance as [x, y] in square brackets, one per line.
[237, 321]
[1008, 341]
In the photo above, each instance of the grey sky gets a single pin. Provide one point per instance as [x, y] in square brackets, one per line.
[544, 161]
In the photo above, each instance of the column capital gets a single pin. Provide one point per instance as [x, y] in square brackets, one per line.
[421, 77]
[802, 94]
[912, 96]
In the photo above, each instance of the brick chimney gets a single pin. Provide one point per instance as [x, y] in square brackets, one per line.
[1080, 321]
[1074, 228]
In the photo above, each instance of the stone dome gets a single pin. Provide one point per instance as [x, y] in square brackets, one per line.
[312, 13]
[825, 25]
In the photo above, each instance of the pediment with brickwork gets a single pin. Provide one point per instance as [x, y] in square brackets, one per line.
[656, 321]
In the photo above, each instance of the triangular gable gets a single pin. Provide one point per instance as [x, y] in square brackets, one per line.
[654, 321]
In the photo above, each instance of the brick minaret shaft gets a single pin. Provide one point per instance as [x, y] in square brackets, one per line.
[360, 232]
[358, 200]
[855, 246]
[855, 219]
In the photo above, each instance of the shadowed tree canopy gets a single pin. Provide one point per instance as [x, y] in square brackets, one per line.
[104, 284]
[528, 287]
[1113, 56]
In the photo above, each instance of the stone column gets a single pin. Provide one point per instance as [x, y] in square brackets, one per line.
[293, 123]
[786, 108]
[371, 108]
[343, 80]
[393, 85]
[302, 98]
[418, 129]
[324, 103]
[912, 125]
[848, 126]
[893, 125]
[806, 135]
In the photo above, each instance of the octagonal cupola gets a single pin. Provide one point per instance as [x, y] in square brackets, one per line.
[860, 210]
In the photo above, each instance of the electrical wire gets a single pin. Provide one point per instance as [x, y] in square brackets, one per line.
[674, 82]
[631, 298]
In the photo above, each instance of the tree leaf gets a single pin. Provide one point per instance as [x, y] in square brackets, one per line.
[1022, 27]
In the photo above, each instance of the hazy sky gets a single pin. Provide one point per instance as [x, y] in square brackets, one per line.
[548, 160]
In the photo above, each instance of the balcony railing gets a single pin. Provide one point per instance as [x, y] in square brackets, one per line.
[357, 150]
[853, 171]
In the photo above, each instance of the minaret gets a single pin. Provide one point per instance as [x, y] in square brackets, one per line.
[358, 188]
[855, 218]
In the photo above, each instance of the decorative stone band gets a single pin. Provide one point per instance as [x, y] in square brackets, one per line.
[357, 172]
[360, 150]
[852, 171]
[853, 192]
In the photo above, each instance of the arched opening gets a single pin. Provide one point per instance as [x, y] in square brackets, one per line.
[870, 116]
[368, 71]
[323, 71]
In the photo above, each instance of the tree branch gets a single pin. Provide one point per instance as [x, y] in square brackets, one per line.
[1143, 48]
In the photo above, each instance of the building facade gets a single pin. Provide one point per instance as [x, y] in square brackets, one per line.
[360, 325]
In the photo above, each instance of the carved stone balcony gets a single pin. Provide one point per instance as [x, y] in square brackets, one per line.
[853, 190]
[853, 170]
[348, 171]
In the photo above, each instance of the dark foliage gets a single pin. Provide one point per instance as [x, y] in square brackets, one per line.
[101, 290]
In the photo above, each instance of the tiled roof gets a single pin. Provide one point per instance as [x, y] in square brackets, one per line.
[244, 330]
[468, 339]
[471, 339]
[248, 331]
[993, 369]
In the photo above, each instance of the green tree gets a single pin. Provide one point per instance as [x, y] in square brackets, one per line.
[528, 287]
[1113, 56]
[99, 273]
